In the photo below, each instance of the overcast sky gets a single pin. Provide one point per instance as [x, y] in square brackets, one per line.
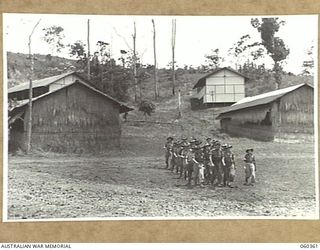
[196, 35]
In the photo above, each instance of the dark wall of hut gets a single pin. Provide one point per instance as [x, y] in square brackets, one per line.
[296, 111]
[75, 119]
[255, 123]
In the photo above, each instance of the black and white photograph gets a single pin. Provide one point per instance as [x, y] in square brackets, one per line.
[119, 117]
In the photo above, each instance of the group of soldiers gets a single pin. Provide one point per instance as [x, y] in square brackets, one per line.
[209, 164]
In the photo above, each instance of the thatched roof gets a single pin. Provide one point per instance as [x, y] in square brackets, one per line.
[202, 81]
[261, 99]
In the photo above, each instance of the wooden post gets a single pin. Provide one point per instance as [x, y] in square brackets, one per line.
[179, 104]
[88, 42]
[29, 128]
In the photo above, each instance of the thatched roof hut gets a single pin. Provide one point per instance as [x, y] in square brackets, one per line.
[69, 115]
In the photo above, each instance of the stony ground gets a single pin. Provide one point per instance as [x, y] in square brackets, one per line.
[59, 186]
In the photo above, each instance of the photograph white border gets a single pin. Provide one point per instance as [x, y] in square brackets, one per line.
[5, 151]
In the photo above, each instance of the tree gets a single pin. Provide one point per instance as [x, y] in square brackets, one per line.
[308, 64]
[173, 46]
[88, 42]
[147, 107]
[214, 59]
[244, 51]
[275, 46]
[29, 128]
[54, 36]
[134, 63]
[106, 74]
[156, 91]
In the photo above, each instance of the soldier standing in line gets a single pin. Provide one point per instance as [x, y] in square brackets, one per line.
[190, 160]
[168, 150]
[178, 157]
[216, 159]
[183, 155]
[198, 167]
[208, 164]
[174, 154]
[227, 163]
[250, 167]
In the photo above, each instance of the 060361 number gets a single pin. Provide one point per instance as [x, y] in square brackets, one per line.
[309, 245]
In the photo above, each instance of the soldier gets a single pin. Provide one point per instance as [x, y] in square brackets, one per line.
[190, 162]
[216, 159]
[227, 163]
[208, 164]
[179, 158]
[168, 150]
[250, 167]
[198, 166]
[174, 154]
[183, 155]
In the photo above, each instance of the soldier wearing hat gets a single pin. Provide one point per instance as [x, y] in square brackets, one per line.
[250, 167]
[227, 163]
[168, 150]
[208, 164]
[190, 160]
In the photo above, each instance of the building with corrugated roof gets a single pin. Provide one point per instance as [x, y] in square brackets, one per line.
[222, 87]
[281, 113]
[68, 115]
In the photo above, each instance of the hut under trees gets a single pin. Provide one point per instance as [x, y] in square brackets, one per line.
[68, 115]
[282, 114]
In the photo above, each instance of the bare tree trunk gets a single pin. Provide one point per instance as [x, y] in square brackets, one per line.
[29, 129]
[134, 36]
[179, 104]
[173, 43]
[277, 74]
[156, 91]
[111, 66]
[88, 41]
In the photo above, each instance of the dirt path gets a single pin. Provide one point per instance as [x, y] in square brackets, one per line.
[81, 187]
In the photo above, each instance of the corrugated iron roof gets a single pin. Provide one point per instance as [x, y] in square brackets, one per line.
[39, 83]
[261, 99]
[47, 81]
[202, 81]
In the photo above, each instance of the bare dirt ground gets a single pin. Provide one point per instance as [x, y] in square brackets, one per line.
[60, 186]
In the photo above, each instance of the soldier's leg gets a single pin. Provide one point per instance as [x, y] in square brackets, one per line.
[211, 175]
[253, 174]
[172, 162]
[225, 175]
[190, 169]
[214, 174]
[247, 173]
[220, 174]
[178, 162]
[196, 174]
[167, 159]
[181, 169]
